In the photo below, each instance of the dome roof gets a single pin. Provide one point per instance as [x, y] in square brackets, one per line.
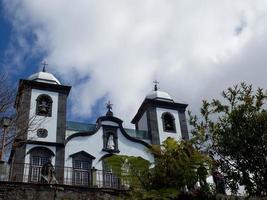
[44, 77]
[157, 94]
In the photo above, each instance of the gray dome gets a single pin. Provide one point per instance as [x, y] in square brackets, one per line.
[159, 95]
[44, 77]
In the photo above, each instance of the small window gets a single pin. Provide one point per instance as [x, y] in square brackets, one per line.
[44, 105]
[42, 133]
[168, 122]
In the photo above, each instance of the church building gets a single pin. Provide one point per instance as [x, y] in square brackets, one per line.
[74, 148]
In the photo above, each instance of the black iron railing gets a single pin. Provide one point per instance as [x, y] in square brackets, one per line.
[24, 172]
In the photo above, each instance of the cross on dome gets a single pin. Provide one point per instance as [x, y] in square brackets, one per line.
[109, 107]
[155, 85]
[44, 63]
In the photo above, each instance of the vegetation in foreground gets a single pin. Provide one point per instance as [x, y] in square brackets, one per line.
[229, 141]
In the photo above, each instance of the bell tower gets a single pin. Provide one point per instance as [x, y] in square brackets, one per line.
[162, 117]
[41, 105]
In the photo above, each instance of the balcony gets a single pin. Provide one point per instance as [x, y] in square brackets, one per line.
[93, 178]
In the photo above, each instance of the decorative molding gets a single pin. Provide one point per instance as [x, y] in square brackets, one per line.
[113, 119]
[39, 148]
[84, 153]
[42, 133]
[45, 143]
[82, 134]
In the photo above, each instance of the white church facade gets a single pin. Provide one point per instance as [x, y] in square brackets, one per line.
[74, 148]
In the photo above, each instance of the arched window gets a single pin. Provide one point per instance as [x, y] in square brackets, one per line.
[38, 157]
[44, 105]
[168, 122]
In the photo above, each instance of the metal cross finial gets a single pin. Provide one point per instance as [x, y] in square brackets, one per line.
[156, 85]
[44, 63]
[109, 106]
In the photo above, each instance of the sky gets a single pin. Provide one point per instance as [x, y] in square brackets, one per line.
[113, 50]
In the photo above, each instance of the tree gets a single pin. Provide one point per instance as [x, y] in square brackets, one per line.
[234, 131]
[7, 96]
[20, 122]
[177, 169]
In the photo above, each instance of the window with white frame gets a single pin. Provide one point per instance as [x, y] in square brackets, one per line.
[81, 164]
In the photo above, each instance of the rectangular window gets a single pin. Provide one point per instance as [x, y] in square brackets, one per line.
[36, 166]
[81, 172]
[110, 179]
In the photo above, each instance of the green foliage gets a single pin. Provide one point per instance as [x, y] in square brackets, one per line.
[132, 170]
[178, 167]
[234, 131]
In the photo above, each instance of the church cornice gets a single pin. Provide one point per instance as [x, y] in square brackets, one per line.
[81, 134]
[147, 103]
[44, 86]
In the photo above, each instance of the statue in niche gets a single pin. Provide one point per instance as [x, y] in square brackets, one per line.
[48, 173]
[110, 143]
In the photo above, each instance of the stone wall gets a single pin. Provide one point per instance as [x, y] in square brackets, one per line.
[28, 191]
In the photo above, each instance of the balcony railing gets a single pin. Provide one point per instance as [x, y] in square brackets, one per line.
[23, 172]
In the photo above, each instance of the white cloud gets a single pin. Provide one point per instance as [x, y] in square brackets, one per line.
[194, 48]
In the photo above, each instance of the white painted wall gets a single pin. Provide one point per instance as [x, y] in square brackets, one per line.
[94, 144]
[164, 135]
[69, 132]
[48, 123]
[142, 124]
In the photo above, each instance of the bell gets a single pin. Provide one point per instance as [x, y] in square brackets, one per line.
[43, 106]
[43, 109]
[168, 125]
